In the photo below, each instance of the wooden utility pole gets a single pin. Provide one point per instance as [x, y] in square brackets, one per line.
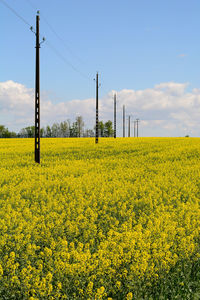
[115, 116]
[134, 128]
[123, 120]
[137, 121]
[97, 109]
[79, 130]
[37, 93]
[129, 126]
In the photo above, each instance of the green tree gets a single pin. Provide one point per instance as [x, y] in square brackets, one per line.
[64, 129]
[108, 129]
[5, 133]
[74, 130]
[27, 132]
[80, 125]
[48, 131]
[30, 131]
[42, 132]
[101, 128]
[55, 130]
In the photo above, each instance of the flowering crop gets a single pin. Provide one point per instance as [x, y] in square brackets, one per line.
[106, 221]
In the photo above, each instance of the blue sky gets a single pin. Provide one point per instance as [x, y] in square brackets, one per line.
[134, 45]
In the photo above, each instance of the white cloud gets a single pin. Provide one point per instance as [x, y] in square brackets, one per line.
[164, 110]
[172, 88]
[15, 96]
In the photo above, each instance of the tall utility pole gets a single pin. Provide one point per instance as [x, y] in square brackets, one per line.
[123, 120]
[97, 109]
[115, 116]
[37, 93]
[137, 121]
[129, 126]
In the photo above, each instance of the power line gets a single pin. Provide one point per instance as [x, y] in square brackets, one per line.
[16, 13]
[48, 43]
[56, 34]
[66, 61]
[62, 40]
[31, 4]
[62, 57]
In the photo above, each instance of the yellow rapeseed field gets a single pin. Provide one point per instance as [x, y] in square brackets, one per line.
[117, 220]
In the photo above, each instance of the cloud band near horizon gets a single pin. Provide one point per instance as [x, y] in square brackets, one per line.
[167, 109]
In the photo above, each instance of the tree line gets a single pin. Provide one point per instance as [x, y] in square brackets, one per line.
[5, 133]
[63, 129]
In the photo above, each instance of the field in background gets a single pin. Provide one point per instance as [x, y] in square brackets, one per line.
[117, 220]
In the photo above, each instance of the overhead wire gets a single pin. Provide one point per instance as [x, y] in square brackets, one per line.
[48, 43]
[65, 60]
[62, 57]
[63, 42]
[61, 39]
[53, 48]
[16, 13]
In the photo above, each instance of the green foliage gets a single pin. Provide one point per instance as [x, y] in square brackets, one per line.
[5, 133]
[106, 129]
[27, 132]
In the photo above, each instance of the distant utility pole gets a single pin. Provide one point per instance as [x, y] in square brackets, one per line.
[137, 121]
[79, 130]
[115, 116]
[134, 128]
[129, 126]
[97, 109]
[123, 120]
